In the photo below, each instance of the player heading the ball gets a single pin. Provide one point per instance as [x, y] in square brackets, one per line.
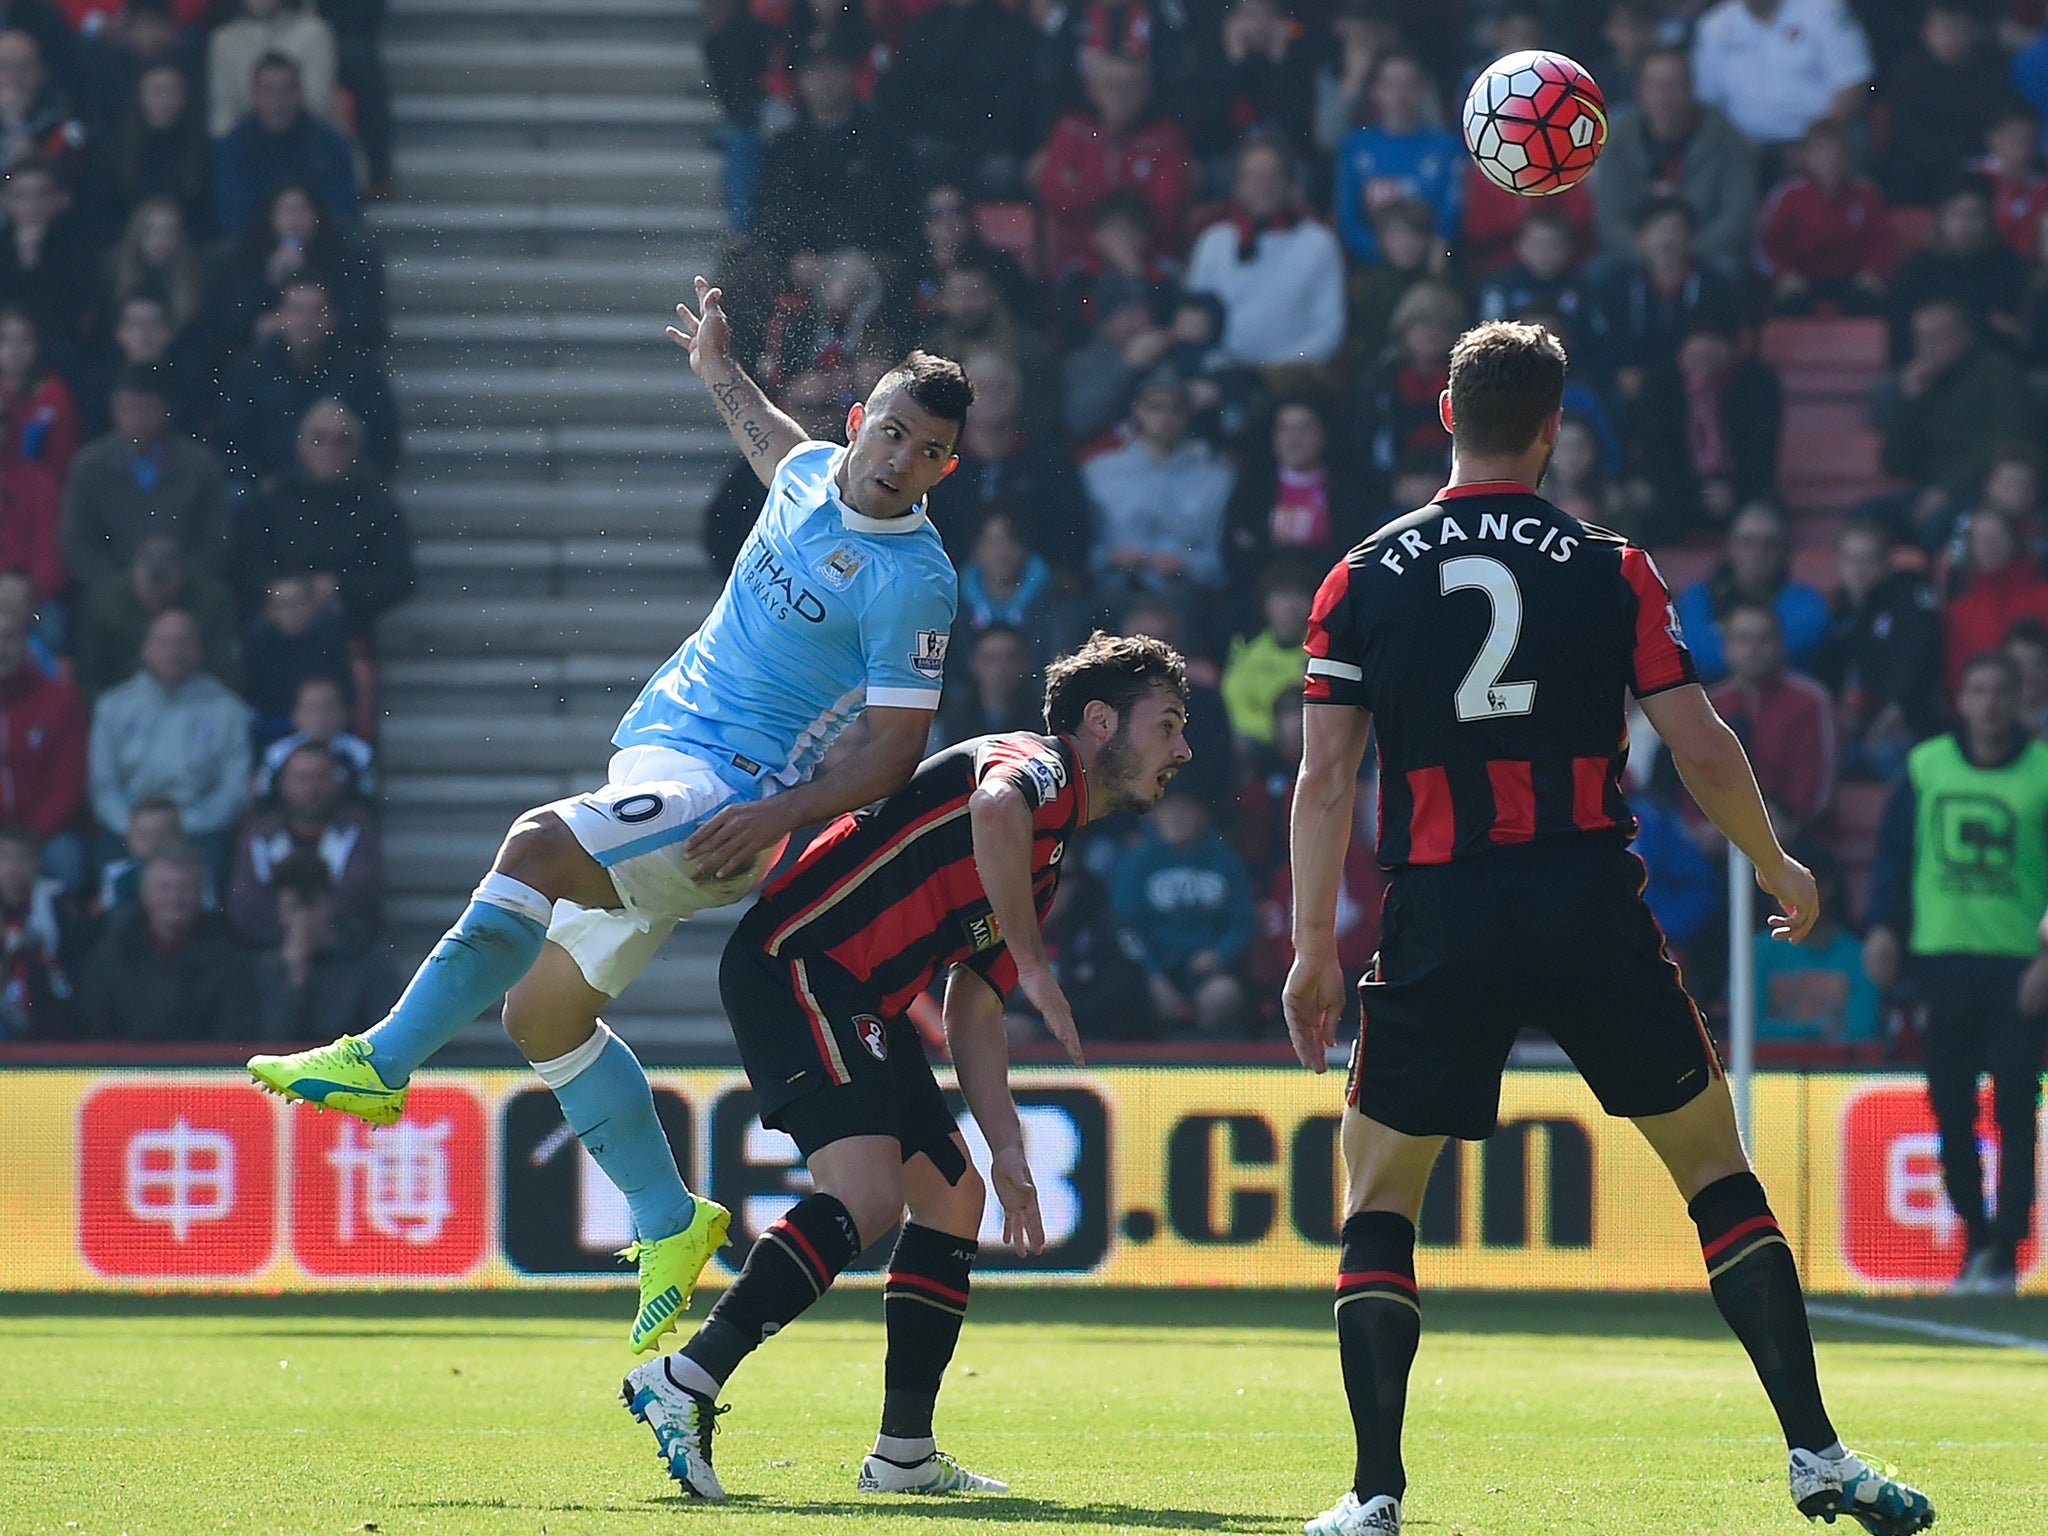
[838, 607]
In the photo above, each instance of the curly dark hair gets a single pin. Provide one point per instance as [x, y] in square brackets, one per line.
[1117, 669]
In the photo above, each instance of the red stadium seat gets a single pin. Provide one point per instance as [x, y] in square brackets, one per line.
[1813, 562]
[1684, 564]
[1806, 415]
[1011, 227]
[1834, 359]
[1827, 473]
[1910, 227]
[1857, 814]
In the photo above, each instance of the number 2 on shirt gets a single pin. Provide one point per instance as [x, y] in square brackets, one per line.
[1482, 695]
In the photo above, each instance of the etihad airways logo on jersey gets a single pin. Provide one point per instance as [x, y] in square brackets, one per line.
[1498, 527]
[777, 586]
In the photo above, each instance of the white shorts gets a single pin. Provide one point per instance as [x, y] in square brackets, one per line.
[635, 826]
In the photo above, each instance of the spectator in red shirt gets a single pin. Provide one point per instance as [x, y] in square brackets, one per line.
[1822, 236]
[1490, 220]
[1120, 141]
[1784, 718]
[42, 754]
[38, 420]
[2012, 165]
[2005, 586]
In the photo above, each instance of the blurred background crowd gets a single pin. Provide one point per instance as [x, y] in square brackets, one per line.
[1204, 261]
[196, 531]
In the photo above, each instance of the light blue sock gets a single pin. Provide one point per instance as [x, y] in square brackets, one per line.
[605, 1098]
[492, 945]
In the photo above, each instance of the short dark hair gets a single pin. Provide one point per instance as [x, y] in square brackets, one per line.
[1752, 605]
[304, 873]
[938, 384]
[2026, 631]
[155, 803]
[1117, 669]
[142, 379]
[1123, 203]
[276, 60]
[1662, 204]
[1995, 659]
[1507, 380]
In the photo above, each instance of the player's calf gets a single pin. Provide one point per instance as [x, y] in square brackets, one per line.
[1756, 1286]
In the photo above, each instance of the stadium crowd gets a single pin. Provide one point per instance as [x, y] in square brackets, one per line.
[196, 436]
[1204, 261]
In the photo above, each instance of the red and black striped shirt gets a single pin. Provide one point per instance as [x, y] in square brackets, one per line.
[891, 894]
[1496, 641]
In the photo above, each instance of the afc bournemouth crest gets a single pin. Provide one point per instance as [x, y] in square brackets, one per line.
[869, 1028]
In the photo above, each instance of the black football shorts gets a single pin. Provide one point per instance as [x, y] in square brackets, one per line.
[1552, 935]
[825, 1063]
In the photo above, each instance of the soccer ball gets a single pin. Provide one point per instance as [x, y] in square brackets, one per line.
[1535, 122]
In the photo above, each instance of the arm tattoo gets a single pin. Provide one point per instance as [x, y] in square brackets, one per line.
[732, 401]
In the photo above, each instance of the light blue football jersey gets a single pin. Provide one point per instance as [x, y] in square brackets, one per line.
[826, 611]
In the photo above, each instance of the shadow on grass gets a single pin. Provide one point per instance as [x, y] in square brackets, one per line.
[1006, 1507]
[479, 1314]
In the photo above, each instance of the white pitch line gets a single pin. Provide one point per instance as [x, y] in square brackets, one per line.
[1952, 1333]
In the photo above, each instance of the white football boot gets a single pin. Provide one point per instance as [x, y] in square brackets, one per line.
[683, 1423]
[1824, 1487]
[1379, 1515]
[937, 1473]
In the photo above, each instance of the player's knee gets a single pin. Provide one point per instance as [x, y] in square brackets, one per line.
[955, 1207]
[536, 849]
[874, 1201]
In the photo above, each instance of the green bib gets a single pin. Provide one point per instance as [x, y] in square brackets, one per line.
[1980, 851]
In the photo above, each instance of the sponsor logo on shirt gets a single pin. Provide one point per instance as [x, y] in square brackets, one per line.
[984, 932]
[929, 659]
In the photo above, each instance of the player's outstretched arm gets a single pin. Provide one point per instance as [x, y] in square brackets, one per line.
[1318, 838]
[981, 1064]
[1001, 818]
[765, 434]
[1716, 770]
[881, 762]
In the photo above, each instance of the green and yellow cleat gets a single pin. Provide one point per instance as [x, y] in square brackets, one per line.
[337, 1076]
[669, 1269]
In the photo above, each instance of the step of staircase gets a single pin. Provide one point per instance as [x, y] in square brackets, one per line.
[572, 567]
[687, 236]
[683, 174]
[457, 505]
[530, 119]
[538, 626]
[500, 67]
[515, 394]
[557, 191]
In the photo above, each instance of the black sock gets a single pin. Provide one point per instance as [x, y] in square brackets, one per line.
[924, 1303]
[1379, 1325]
[1756, 1286]
[790, 1266]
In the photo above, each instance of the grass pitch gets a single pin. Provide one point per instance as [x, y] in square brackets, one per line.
[1106, 1412]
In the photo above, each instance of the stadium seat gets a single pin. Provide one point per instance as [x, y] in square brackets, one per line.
[1807, 415]
[1833, 359]
[1857, 813]
[1910, 227]
[1813, 563]
[1684, 564]
[1830, 472]
[1011, 227]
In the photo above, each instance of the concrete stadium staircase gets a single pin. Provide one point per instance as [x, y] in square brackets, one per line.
[557, 189]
